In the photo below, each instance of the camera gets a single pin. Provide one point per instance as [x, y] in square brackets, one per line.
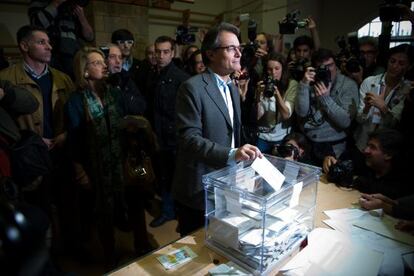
[342, 173]
[269, 87]
[291, 22]
[287, 150]
[389, 11]
[297, 70]
[322, 74]
[185, 35]
[248, 57]
[349, 54]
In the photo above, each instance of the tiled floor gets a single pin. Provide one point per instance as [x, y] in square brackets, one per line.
[124, 247]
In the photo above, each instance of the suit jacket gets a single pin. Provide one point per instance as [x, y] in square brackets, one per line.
[204, 135]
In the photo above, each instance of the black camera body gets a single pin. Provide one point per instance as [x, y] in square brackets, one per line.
[342, 173]
[322, 74]
[185, 35]
[297, 71]
[291, 23]
[269, 83]
[389, 11]
[287, 150]
[349, 54]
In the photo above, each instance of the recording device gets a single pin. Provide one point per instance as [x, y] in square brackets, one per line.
[287, 150]
[70, 4]
[349, 54]
[342, 173]
[185, 35]
[269, 88]
[291, 22]
[297, 70]
[389, 11]
[249, 50]
[322, 74]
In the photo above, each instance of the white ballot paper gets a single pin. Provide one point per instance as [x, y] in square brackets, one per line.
[269, 172]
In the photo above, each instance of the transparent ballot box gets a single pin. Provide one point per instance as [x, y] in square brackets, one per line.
[250, 222]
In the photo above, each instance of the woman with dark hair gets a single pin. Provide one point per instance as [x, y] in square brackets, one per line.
[195, 63]
[276, 98]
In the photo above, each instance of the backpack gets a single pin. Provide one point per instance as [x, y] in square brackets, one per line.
[29, 158]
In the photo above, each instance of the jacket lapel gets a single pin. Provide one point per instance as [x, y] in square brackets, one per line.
[215, 94]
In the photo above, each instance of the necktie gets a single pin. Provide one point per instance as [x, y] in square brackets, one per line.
[229, 104]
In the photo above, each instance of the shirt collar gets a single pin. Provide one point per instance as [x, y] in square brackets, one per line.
[219, 81]
[33, 73]
[126, 65]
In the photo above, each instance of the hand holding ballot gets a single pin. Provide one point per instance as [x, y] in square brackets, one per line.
[247, 152]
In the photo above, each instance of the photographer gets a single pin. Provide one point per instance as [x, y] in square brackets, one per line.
[366, 60]
[326, 104]
[276, 96]
[294, 147]
[382, 96]
[67, 26]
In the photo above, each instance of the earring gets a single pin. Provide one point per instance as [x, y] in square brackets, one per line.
[86, 75]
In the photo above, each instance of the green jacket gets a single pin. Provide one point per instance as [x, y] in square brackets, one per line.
[61, 89]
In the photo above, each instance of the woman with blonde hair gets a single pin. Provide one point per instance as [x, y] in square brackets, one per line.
[93, 113]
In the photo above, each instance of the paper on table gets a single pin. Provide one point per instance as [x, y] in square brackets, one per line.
[294, 200]
[177, 257]
[269, 172]
[385, 226]
[331, 253]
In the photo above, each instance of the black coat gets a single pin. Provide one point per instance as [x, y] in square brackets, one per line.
[161, 93]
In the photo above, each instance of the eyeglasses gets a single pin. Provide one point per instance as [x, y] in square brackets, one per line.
[230, 48]
[129, 42]
[97, 63]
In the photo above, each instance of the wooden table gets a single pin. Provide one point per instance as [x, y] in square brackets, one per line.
[328, 197]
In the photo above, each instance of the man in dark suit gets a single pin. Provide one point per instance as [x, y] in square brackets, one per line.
[208, 125]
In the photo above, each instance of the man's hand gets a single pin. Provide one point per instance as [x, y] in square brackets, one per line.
[322, 90]
[406, 226]
[247, 152]
[328, 161]
[309, 75]
[370, 202]
[311, 23]
[79, 13]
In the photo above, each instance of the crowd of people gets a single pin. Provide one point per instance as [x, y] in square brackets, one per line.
[114, 130]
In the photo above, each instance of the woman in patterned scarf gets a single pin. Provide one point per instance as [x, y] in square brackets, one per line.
[93, 113]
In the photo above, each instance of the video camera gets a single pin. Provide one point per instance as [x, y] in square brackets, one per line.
[349, 54]
[185, 35]
[291, 22]
[389, 11]
[249, 50]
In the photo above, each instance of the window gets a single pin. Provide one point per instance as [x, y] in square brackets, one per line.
[399, 29]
